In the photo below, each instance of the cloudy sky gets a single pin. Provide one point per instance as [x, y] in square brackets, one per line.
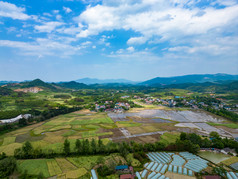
[60, 40]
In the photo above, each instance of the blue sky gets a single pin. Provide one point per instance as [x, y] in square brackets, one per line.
[62, 40]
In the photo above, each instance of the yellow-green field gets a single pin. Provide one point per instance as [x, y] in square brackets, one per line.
[52, 133]
[230, 160]
[167, 138]
[71, 167]
[229, 125]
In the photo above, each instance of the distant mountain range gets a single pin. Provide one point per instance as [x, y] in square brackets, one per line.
[89, 81]
[189, 79]
[199, 83]
[158, 81]
[6, 82]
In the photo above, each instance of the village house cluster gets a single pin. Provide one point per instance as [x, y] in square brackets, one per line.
[109, 106]
[187, 102]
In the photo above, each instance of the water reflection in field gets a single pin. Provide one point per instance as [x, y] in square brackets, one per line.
[214, 157]
[179, 116]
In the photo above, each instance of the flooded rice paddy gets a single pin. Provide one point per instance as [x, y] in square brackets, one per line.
[214, 157]
[192, 119]
[178, 116]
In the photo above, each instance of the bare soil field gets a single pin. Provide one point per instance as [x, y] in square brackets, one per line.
[140, 139]
[178, 176]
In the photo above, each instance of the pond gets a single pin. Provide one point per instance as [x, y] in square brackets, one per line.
[213, 157]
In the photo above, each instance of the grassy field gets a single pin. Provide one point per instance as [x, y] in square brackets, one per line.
[34, 167]
[8, 140]
[167, 138]
[71, 167]
[229, 125]
[230, 161]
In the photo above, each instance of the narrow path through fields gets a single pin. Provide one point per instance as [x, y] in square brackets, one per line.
[138, 135]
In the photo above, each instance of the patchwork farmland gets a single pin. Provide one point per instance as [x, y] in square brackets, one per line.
[143, 126]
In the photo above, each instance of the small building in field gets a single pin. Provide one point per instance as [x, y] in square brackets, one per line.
[127, 176]
[121, 167]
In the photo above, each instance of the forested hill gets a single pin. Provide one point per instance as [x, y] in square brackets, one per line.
[218, 86]
[189, 79]
[73, 85]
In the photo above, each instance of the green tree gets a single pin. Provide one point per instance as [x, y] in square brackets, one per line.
[214, 135]
[183, 136]
[93, 146]
[123, 150]
[7, 166]
[86, 147]
[27, 148]
[22, 122]
[66, 147]
[78, 146]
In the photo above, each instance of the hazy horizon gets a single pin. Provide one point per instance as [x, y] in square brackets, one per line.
[137, 40]
[112, 78]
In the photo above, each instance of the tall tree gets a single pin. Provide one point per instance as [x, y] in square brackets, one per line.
[66, 147]
[78, 146]
[27, 148]
[93, 146]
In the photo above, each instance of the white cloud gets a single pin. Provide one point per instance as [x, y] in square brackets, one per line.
[55, 11]
[12, 11]
[86, 44]
[43, 47]
[136, 40]
[225, 3]
[72, 30]
[98, 19]
[48, 26]
[167, 20]
[130, 49]
[67, 10]
[220, 46]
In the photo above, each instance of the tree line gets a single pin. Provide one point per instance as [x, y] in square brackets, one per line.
[187, 142]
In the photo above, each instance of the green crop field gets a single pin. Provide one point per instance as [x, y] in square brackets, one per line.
[53, 168]
[10, 148]
[229, 125]
[86, 162]
[76, 173]
[8, 140]
[167, 138]
[34, 167]
[51, 134]
[65, 165]
[230, 160]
